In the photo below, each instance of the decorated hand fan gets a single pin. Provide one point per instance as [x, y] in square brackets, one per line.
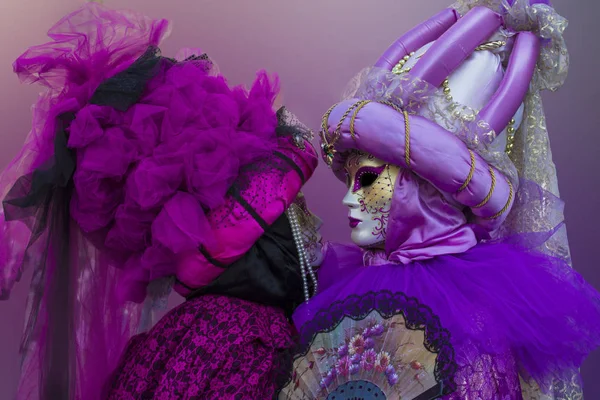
[375, 346]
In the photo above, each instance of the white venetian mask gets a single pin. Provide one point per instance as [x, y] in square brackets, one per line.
[370, 184]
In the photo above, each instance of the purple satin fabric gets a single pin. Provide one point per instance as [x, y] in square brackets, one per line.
[422, 224]
[455, 45]
[380, 130]
[454, 42]
[507, 99]
[473, 85]
[417, 37]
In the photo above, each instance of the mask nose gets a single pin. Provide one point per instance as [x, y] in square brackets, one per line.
[350, 200]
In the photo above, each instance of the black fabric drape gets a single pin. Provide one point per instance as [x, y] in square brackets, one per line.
[268, 273]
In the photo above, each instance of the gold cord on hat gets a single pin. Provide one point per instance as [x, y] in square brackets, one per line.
[328, 146]
[493, 45]
[491, 192]
[406, 130]
[361, 104]
[399, 69]
[471, 172]
[508, 202]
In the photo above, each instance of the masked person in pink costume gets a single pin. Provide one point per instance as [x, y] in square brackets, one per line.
[457, 224]
[142, 173]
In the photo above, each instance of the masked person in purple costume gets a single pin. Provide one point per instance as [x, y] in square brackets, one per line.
[453, 201]
[142, 173]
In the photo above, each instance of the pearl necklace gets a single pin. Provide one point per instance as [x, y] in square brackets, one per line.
[305, 267]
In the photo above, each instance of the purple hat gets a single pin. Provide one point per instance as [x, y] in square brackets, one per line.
[446, 101]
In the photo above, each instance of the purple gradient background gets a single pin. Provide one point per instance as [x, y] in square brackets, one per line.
[316, 47]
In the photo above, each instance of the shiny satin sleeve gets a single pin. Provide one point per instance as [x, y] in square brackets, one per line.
[257, 199]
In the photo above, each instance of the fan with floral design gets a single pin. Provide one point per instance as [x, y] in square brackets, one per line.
[376, 346]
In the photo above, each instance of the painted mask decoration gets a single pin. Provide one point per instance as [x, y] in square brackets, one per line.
[370, 183]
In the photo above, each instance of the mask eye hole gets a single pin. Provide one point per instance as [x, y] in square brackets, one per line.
[367, 179]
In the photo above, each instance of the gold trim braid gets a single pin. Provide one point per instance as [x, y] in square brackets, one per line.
[406, 130]
[496, 44]
[508, 202]
[471, 172]
[406, 139]
[353, 119]
[489, 196]
[325, 119]
[328, 146]
[341, 122]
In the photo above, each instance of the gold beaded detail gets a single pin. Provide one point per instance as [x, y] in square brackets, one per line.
[361, 104]
[510, 136]
[508, 202]
[471, 172]
[491, 192]
[398, 67]
[399, 70]
[446, 89]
